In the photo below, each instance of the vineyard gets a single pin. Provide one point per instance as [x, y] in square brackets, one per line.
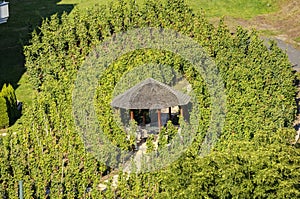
[253, 158]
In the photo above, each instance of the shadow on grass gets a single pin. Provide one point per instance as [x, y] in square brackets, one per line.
[25, 16]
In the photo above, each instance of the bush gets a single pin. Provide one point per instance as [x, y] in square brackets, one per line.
[9, 95]
[4, 119]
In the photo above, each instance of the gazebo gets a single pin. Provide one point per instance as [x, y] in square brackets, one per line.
[151, 94]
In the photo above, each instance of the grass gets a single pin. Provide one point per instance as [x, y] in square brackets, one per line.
[25, 92]
[269, 33]
[297, 39]
[245, 9]
[26, 16]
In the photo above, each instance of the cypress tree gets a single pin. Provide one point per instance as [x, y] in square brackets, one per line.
[4, 120]
[8, 93]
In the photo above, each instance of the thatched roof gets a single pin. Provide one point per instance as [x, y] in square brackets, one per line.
[150, 94]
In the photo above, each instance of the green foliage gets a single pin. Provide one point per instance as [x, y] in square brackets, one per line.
[265, 168]
[252, 158]
[244, 169]
[11, 99]
[162, 138]
[4, 119]
[150, 143]
[9, 108]
[132, 133]
[171, 131]
[167, 134]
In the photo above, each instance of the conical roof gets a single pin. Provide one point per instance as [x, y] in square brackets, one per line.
[150, 94]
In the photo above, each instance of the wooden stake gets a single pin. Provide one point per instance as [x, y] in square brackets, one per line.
[131, 115]
[181, 111]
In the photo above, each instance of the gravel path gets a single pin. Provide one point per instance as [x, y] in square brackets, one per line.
[293, 53]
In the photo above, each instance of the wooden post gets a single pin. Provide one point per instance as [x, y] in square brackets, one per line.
[181, 111]
[170, 113]
[159, 119]
[131, 114]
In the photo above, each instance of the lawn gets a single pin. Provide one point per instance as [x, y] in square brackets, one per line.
[245, 9]
[25, 16]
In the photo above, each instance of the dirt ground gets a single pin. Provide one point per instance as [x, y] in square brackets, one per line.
[283, 25]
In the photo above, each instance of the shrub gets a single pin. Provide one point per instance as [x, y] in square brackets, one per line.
[9, 95]
[4, 119]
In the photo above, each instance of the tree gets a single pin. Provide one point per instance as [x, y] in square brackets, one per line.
[10, 106]
[4, 119]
